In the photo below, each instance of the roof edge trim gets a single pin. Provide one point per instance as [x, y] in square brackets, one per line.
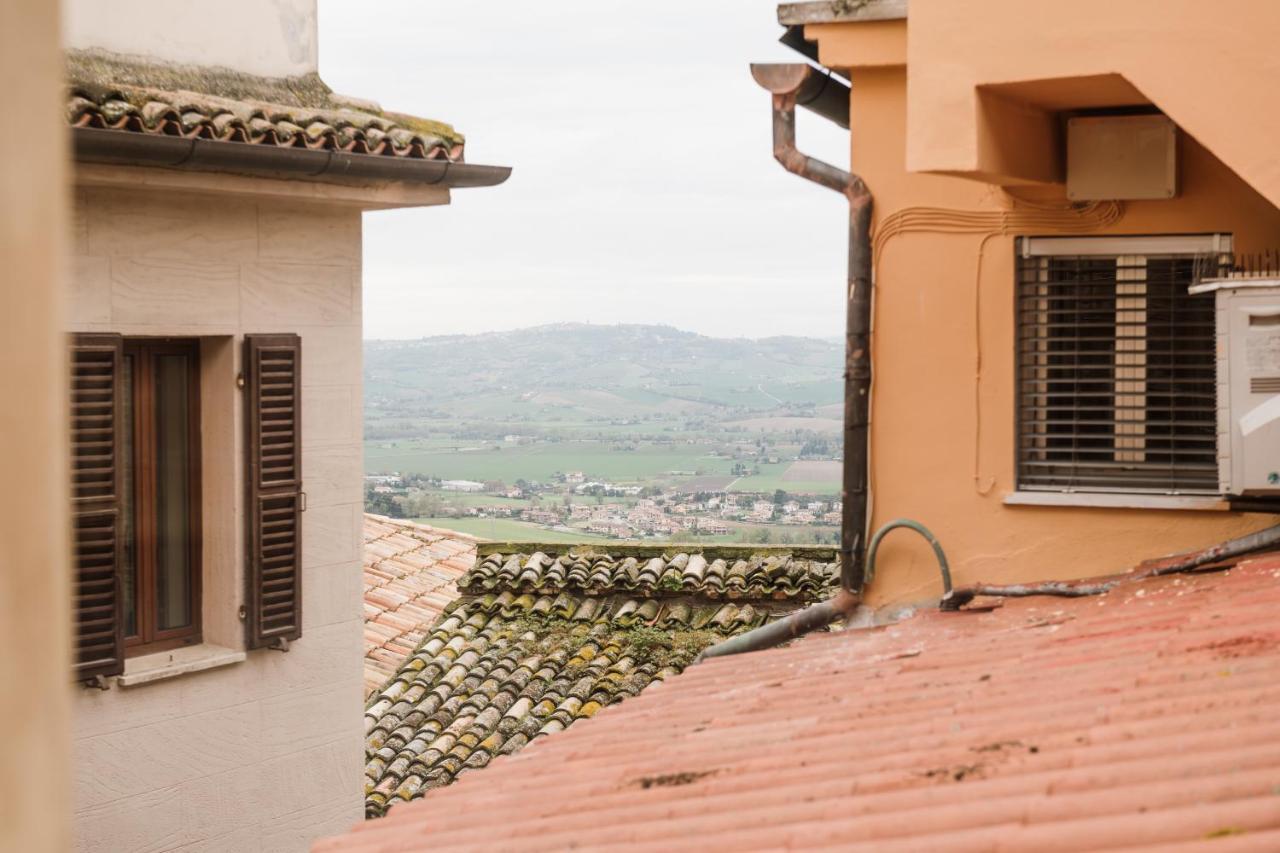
[841, 11]
[95, 145]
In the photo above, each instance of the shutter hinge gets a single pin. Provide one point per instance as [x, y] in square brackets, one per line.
[240, 381]
[244, 613]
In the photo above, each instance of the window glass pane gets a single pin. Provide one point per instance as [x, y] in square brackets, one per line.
[130, 567]
[173, 495]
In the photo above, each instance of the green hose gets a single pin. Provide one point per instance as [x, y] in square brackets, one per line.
[929, 537]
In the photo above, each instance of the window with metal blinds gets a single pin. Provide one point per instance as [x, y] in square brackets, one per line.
[1115, 366]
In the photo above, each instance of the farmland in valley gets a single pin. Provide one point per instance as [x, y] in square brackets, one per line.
[528, 423]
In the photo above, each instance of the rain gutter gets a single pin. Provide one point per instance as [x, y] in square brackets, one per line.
[94, 145]
[793, 84]
[798, 83]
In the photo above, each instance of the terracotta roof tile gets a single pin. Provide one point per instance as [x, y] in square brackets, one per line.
[1147, 719]
[529, 652]
[758, 575]
[405, 589]
[115, 92]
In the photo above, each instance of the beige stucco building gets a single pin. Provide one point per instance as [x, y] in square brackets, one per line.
[35, 597]
[1029, 462]
[215, 281]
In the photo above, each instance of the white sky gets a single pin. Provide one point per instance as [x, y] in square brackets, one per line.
[644, 188]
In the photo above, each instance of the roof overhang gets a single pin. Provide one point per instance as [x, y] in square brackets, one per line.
[117, 147]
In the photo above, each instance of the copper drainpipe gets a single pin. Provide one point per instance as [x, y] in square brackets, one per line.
[803, 84]
[792, 84]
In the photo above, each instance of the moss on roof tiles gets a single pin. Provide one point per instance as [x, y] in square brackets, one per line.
[128, 93]
[538, 641]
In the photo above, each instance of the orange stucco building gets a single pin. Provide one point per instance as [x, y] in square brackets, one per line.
[1046, 407]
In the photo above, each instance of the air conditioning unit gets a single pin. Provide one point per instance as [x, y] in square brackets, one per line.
[1248, 370]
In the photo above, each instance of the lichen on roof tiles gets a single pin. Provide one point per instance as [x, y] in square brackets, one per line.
[538, 641]
[111, 91]
[409, 575]
[1145, 718]
[737, 574]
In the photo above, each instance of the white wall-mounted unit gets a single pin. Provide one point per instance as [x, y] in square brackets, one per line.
[1248, 355]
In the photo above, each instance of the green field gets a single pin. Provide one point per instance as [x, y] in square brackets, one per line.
[766, 483]
[465, 499]
[599, 460]
[508, 530]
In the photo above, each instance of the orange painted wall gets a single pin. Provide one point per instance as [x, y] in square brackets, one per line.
[926, 440]
[1212, 67]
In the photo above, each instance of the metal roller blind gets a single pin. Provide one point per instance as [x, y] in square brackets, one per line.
[1115, 369]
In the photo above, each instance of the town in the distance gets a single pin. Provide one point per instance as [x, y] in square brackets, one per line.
[581, 433]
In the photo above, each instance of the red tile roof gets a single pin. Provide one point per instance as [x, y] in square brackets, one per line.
[1147, 718]
[410, 574]
[113, 92]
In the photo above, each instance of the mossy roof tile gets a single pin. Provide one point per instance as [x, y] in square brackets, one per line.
[1148, 717]
[539, 640]
[405, 588]
[114, 92]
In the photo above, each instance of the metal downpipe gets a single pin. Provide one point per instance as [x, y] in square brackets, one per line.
[813, 618]
[789, 84]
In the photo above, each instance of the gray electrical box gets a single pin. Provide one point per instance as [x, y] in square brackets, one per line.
[1248, 369]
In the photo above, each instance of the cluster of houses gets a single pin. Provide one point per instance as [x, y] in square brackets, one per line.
[663, 515]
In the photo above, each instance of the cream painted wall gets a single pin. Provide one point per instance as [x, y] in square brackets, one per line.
[265, 754]
[35, 594]
[273, 38]
[943, 442]
[1211, 67]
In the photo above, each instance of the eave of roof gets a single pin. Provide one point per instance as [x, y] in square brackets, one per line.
[133, 111]
[841, 11]
[1148, 717]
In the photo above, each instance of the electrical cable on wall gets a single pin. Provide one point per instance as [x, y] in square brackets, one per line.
[1018, 214]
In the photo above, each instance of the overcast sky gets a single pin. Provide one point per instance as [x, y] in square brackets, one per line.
[644, 188]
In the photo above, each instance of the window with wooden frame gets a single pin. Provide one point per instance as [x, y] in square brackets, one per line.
[1115, 364]
[161, 512]
[136, 485]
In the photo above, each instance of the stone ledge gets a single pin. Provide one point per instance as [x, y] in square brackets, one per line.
[170, 664]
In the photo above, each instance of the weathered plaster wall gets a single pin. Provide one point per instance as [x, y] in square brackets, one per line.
[35, 593]
[946, 459]
[265, 754]
[1210, 66]
[274, 38]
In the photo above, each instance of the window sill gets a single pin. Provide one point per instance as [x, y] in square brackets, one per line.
[1101, 500]
[161, 665]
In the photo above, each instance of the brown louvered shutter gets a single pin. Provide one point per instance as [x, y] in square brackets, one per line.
[97, 418]
[272, 370]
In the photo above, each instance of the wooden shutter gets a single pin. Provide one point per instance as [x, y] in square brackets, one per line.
[272, 371]
[97, 402]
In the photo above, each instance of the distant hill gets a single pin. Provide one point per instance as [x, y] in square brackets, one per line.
[587, 373]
